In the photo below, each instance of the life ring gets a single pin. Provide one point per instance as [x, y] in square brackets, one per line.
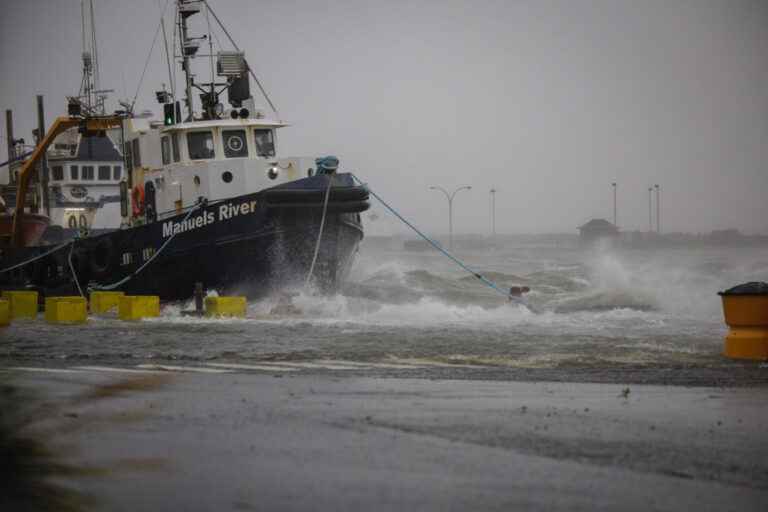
[138, 199]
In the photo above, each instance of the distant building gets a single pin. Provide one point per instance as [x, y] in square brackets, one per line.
[597, 229]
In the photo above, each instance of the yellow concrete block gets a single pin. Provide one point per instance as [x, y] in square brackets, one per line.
[23, 303]
[225, 306]
[136, 307]
[5, 313]
[66, 310]
[103, 302]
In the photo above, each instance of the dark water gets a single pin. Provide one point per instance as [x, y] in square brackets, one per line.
[593, 309]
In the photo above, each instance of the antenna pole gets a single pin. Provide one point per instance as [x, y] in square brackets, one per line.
[185, 64]
[168, 60]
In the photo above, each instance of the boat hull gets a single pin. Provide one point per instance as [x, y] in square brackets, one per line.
[32, 227]
[251, 245]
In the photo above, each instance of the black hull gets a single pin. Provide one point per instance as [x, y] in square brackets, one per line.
[248, 245]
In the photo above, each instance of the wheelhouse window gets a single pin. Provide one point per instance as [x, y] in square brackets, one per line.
[265, 143]
[87, 172]
[165, 147]
[235, 145]
[200, 145]
[57, 173]
[175, 147]
[117, 172]
[74, 172]
[104, 172]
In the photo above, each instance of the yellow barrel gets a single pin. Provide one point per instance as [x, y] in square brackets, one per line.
[747, 316]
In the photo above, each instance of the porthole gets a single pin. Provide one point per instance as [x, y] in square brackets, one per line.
[273, 173]
[197, 181]
[226, 176]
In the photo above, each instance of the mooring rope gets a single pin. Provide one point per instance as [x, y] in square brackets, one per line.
[320, 233]
[39, 256]
[72, 268]
[434, 244]
[99, 287]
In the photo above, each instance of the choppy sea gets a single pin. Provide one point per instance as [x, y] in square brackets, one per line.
[587, 308]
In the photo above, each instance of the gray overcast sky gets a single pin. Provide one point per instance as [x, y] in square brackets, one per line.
[549, 101]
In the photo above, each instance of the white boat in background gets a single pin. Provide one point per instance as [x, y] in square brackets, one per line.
[84, 184]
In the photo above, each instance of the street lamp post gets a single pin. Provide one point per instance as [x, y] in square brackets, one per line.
[450, 197]
[658, 208]
[650, 212]
[493, 213]
[614, 203]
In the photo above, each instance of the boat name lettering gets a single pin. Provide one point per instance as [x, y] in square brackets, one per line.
[225, 211]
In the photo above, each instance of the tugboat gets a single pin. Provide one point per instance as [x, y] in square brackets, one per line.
[206, 198]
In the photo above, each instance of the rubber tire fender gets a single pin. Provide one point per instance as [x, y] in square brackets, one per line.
[101, 256]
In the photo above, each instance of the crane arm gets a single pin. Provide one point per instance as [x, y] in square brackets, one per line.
[59, 125]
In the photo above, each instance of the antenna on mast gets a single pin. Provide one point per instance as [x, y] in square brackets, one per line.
[90, 96]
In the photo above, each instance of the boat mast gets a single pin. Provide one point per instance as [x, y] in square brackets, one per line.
[186, 9]
[90, 96]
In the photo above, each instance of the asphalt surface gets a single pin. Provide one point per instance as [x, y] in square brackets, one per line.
[282, 441]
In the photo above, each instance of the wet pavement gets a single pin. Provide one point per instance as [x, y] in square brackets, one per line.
[307, 440]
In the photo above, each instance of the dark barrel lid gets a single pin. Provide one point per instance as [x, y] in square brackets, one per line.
[752, 288]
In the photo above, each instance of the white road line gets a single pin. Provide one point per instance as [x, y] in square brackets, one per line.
[43, 370]
[327, 366]
[364, 365]
[168, 368]
[113, 369]
[267, 368]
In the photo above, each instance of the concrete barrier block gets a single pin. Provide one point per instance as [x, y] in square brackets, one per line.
[66, 310]
[5, 312]
[104, 302]
[225, 306]
[136, 307]
[23, 303]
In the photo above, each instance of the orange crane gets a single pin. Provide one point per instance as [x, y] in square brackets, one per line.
[91, 124]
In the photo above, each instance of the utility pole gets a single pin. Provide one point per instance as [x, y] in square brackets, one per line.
[658, 208]
[614, 203]
[493, 213]
[11, 151]
[43, 159]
